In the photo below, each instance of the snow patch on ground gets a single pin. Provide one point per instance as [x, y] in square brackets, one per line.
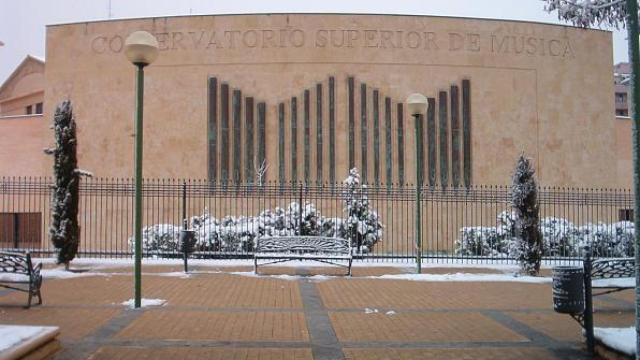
[145, 302]
[463, 277]
[620, 339]
[617, 282]
[51, 274]
[63, 274]
[179, 274]
[283, 276]
[12, 335]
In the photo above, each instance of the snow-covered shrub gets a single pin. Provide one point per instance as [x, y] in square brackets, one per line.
[559, 237]
[624, 231]
[159, 238]
[608, 240]
[363, 227]
[480, 241]
[506, 224]
[333, 227]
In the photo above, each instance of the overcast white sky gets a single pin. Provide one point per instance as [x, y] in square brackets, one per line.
[22, 22]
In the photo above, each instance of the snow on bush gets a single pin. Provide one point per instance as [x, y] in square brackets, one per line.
[560, 237]
[480, 240]
[239, 234]
[159, 238]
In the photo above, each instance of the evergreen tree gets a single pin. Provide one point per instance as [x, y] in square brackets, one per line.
[524, 199]
[64, 229]
[363, 225]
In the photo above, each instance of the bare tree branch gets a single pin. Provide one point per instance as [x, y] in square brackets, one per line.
[261, 172]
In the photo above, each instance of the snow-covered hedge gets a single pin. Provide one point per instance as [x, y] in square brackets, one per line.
[560, 238]
[238, 234]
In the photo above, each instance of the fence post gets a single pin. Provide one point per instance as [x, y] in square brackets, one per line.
[184, 223]
[300, 206]
[184, 204]
[588, 303]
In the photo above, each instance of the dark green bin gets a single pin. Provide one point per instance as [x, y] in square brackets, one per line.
[568, 289]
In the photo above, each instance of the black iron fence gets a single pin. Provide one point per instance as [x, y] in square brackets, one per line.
[458, 224]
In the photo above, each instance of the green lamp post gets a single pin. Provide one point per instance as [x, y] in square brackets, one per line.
[417, 105]
[141, 48]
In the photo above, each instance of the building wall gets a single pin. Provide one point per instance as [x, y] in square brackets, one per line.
[24, 87]
[624, 152]
[544, 90]
[17, 106]
[23, 139]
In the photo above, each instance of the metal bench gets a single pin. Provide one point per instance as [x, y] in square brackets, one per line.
[329, 250]
[28, 278]
[573, 295]
[604, 273]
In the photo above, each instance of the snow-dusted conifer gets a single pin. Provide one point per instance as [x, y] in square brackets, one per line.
[524, 199]
[363, 224]
[64, 205]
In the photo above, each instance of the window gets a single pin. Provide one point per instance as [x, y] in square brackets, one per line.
[39, 108]
[622, 112]
[29, 110]
[625, 215]
[621, 97]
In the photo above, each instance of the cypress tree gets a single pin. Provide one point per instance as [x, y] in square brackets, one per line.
[64, 230]
[524, 198]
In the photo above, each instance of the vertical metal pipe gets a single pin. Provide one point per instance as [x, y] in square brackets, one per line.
[419, 156]
[588, 304]
[184, 223]
[634, 58]
[138, 186]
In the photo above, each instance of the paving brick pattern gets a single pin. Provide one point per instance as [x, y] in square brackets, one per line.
[74, 323]
[557, 326]
[420, 327]
[357, 293]
[452, 354]
[134, 353]
[212, 314]
[222, 326]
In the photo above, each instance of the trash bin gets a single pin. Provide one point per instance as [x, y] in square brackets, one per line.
[568, 289]
[187, 241]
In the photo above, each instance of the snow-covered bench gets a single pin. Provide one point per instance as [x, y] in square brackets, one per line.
[329, 250]
[613, 275]
[18, 273]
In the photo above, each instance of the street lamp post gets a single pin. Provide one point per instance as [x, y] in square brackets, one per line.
[417, 105]
[141, 48]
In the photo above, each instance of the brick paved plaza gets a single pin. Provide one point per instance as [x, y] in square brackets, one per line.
[213, 314]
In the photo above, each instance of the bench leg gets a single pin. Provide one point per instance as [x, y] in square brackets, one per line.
[29, 299]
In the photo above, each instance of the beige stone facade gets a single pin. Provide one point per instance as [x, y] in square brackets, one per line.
[23, 92]
[24, 132]
[542, 89]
